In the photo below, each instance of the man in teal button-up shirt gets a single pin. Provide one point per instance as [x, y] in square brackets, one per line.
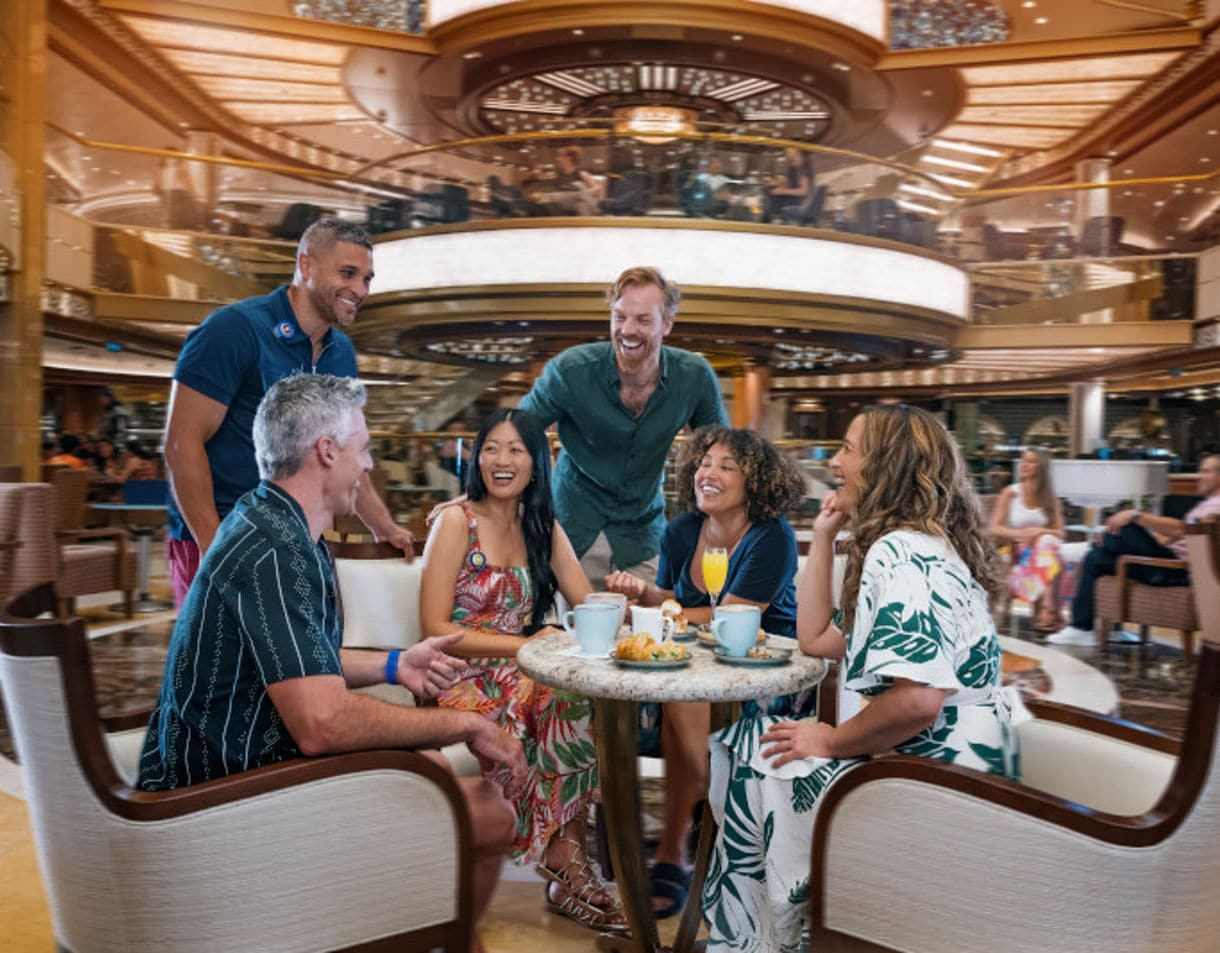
[618, 405]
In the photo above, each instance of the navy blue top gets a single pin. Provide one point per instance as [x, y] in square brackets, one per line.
[234, 356]
[761, 569]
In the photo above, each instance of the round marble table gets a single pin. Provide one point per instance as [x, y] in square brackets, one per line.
[554, 660]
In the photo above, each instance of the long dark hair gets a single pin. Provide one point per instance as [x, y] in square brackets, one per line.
[537, 514]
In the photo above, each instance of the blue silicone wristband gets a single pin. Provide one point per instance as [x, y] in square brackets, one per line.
[391, 667]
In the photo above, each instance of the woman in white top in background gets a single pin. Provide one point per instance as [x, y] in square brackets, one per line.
[1030, 518]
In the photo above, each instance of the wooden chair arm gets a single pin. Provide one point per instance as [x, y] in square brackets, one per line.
[125, 721]
[1105, 725]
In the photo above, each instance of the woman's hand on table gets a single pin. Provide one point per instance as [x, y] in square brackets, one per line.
[425, 668]
[796, 740]
[633, 587]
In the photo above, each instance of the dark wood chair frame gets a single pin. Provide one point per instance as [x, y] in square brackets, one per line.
[23, 634]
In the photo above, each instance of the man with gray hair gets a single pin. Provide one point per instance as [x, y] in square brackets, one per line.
[227, 364]
[255, 672]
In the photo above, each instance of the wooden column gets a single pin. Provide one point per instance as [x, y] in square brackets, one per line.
[23, 73]
[750, 398]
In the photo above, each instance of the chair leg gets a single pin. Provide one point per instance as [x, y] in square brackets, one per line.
[1188, 646]
[129, 603]
[1102, 628]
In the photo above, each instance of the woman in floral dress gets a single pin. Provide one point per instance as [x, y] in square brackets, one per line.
[915, 635]
[491, 570]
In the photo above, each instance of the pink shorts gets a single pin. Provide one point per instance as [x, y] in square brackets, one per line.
[182, 555]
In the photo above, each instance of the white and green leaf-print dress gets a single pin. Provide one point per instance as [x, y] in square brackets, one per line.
[920, 616]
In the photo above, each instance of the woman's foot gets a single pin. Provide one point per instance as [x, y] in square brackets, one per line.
[575, 891]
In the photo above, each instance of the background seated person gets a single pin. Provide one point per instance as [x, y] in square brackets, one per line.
[735, 488]
[572, 190]
[1029, 516]
[1133, 533]
[793, 187]
[280, 683]
[709, 193]
[492, 567]
[69, 453]
[916, 637]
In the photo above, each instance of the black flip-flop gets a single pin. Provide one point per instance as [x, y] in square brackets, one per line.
[672, 883]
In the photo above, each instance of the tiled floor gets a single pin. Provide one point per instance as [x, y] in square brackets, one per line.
[1152, 690]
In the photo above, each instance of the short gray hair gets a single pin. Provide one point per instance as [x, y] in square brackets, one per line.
[298, 411]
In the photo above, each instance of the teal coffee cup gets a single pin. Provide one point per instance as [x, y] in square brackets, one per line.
[595, 626]
[736, 628]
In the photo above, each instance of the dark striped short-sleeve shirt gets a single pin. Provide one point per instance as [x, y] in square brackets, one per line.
[262, 609]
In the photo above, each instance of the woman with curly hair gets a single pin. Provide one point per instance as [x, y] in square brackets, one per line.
[735, 488]
[915, 635]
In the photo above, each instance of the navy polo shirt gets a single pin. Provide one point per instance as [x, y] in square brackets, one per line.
[234, 356]
[608, 476]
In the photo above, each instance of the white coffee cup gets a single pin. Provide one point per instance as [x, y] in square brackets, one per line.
[616, 599]
[648, 619]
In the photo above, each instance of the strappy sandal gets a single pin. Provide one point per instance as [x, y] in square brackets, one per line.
[580, 888]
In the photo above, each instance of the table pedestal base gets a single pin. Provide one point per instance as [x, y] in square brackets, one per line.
[616, 723]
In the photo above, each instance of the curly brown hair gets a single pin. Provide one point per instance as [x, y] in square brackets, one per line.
[774, 486]
[912, 476]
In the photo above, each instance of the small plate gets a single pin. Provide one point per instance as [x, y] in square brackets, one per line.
[687, 636]
[654, 665]
[778, 657]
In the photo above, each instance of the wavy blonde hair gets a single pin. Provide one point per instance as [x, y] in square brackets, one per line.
[1044, 490]
[912, 477]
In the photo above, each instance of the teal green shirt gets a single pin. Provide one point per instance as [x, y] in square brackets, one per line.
[608, 476]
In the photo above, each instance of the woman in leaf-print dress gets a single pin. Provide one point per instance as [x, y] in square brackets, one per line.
[491, 569]
[915, 635]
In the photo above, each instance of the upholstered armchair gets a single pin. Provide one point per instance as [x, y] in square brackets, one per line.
[379, 592]
[1121, 599]
[366, 851]
[1104, 848]
[79, 561]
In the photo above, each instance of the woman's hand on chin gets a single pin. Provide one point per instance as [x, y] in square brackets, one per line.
[831, 516]
[796, 740]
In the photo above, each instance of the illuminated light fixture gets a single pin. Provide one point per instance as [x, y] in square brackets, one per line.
[654, 124]
[915, 207]
[966, 147]
[1041, 20]
[929, 193]
[472, 55]
[950, 180]
[571, 83]
[954, 163]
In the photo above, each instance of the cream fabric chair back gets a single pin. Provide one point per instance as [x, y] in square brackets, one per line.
[380, 602]
[319, 854]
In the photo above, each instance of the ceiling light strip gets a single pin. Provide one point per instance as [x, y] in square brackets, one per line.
[570, 84]
[955, 146]
[742, 89]
[511, 105]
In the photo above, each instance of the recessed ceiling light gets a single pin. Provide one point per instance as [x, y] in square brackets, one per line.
[1213, 132]
[737, 38]
[1128, 172]
[1041, 20]
[578, 32]
[1205, 160]
[472, 55]
[929, 92]
[1030, 4]
[841, 67]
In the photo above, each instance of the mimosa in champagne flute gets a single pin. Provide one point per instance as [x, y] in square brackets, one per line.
[715, 569]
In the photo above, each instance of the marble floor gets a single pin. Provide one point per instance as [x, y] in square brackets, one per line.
[1152, 688]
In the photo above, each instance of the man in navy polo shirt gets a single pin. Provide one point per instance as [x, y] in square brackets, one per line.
[226, 366]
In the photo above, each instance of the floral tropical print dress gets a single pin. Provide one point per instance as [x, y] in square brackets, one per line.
[920, 616]
[552, 726]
